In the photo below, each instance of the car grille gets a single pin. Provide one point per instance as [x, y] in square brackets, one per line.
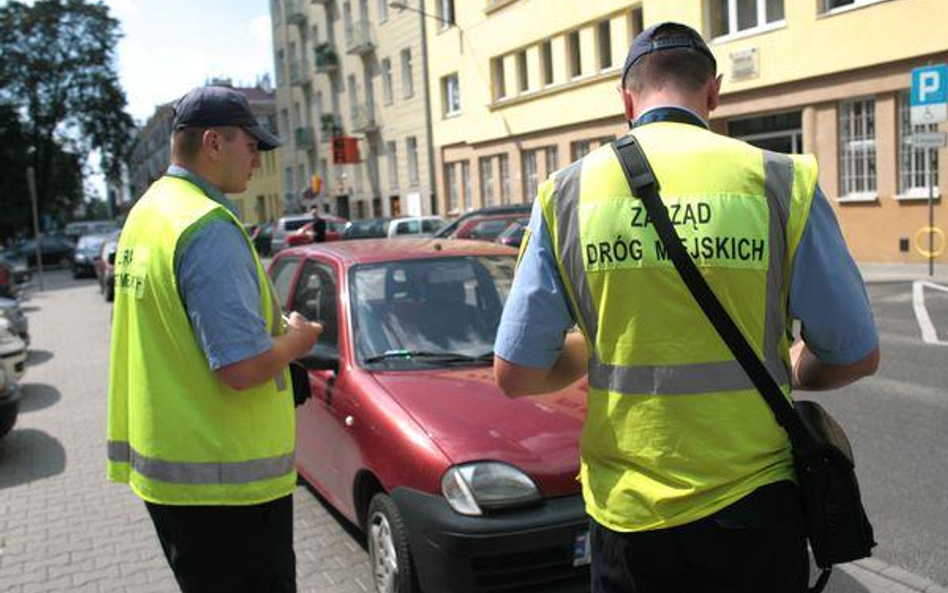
[534, 571]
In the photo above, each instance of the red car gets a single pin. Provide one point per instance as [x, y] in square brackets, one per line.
[305, 235]
[458, 488]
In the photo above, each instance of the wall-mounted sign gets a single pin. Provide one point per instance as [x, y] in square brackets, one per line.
[745, 64]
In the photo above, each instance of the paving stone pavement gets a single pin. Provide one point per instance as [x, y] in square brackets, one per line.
[63, 527]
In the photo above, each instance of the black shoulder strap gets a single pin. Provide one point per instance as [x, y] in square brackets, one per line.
[644, 186]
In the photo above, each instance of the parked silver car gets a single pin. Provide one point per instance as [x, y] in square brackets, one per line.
[19, 324]
[12, 351]
[9, 401]
[286, 225]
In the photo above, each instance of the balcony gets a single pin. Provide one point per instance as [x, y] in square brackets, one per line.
[328, 127]
[327, 61]
[303, 138]
[295, 12]
[359, 38]
[299, 73]
[364, 120]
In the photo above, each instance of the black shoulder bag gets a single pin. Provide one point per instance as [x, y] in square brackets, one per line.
[837, 526]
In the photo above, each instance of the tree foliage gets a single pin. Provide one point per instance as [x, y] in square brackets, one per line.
[58, 79]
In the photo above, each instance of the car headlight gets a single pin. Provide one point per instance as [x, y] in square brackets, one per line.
[6, 337]
[473, 487]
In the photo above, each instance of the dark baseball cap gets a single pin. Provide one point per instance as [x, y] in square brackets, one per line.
[213, 106]
[674, 36]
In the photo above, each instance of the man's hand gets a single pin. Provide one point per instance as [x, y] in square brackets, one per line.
[301, 334]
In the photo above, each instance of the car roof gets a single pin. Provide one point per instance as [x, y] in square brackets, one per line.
[370, 251]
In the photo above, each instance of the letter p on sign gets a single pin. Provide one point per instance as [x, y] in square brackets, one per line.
[929, 94]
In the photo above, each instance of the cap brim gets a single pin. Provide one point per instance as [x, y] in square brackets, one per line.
[265, 140]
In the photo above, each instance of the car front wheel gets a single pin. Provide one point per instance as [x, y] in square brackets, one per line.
[389, 553]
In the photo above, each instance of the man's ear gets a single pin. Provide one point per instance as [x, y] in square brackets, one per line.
[628, 102]
[212, 140]
[714, 93]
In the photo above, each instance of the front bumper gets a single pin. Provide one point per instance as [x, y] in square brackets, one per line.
[530, 550]
[9, 407]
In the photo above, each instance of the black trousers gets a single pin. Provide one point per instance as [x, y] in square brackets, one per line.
[233, 549]
[756, 545]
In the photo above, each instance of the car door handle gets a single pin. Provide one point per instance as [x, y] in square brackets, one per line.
[349, 421]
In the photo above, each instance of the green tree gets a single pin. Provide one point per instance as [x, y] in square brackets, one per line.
[58, 76]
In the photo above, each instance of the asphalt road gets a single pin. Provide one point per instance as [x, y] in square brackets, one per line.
[897, 422]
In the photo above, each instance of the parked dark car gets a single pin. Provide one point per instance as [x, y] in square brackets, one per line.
[513, 235]
[367, 228]
[56, 250]
[8, 283]
[458, 488]
[105, 267]
[485, 224]
[9, 401]
[87, 251]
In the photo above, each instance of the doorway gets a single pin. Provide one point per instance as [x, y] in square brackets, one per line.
[779, 132]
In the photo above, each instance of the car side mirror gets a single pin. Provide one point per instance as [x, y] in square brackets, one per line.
[320, 361]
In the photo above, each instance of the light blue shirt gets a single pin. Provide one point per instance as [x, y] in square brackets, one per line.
[217, 280]
[827, 295]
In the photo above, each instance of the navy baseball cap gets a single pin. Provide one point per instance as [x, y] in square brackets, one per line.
[213, 106]
[674, 36]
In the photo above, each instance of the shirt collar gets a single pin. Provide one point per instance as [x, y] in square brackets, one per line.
[673, 113]
[208, 189]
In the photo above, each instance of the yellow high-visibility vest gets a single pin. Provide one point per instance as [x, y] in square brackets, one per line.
[675, 431]
[176, 434]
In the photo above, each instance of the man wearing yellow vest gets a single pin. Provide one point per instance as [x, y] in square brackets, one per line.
[201, 419]
[686, 475]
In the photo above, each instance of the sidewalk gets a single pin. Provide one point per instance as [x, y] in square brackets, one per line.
[875, 576]
[902, 272]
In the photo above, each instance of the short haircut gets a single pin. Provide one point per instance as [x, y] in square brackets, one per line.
[684, 69]
[186, 144]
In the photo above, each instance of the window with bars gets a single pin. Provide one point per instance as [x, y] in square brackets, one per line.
[918, 167]
[465, 185]
[503, 168]
[552, 159]
[530, 178]
[486, 167]
[451, 180]
[857, 149]
[579, 149]
[451, 93]
[733, 16]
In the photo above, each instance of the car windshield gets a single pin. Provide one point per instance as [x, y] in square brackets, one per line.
[90, 244]
[429, 312]
[294, 223]
[373, 227]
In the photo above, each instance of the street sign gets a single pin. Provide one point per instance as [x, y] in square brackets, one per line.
[929, 94]
[929, 139]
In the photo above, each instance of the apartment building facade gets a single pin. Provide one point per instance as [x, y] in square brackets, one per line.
[521, 88]
[353, 107]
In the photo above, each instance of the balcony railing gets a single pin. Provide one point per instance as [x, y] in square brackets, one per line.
[295, 12]
[303, 137]
[327, 61]
[299, 73]
[359, 38]
[364, 120]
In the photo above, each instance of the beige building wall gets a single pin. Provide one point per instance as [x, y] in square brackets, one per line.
[354, 93]
[806, 65]
[262, 200]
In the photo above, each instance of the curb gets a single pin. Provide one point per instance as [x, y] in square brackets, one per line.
[884, 577]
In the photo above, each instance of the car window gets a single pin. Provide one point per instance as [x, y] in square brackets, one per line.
[430, 225]
[293, 224]
[407, 227]
[282, 274]
[450, 304]
[315, 299]
[489, 229]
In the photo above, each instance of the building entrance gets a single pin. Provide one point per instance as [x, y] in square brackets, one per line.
[780, 132]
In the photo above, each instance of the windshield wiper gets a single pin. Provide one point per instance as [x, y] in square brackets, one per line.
[430, 356]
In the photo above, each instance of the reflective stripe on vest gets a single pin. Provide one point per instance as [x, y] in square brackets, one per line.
[183, 472]
[680, 379]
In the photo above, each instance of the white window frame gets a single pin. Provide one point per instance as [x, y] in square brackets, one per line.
[486, 169]
[451, 88]
[383, 10]
[388, 90]
[408, 82]
[391, 153]
[411, 147]
[451, 181]
[762, 25]
[503, 169]
[445, 14]
[912, 159]
[857, 148]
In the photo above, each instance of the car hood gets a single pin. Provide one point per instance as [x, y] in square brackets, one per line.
[470, 419]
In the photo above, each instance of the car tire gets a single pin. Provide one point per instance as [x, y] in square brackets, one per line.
[389, 551]
[6, 422]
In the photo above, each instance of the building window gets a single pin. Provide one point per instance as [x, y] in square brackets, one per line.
[918, 167]
[451, 180]
[857, 149]
[552, 159]
[733, 16]
[408, 88]
[465, 184]
[281, 68]
[500, 85]
[391, 154]
[347, 22]
[451, 94]
[411, 148]
[637, 22]
[503, 167]
[830, 5]
[530, 177]
[387, 94]
[353, 98]
[604, 41]
[446, 13]
[546, 62]
[574, 55]
[383, 10]
[486, 167]
[579, 149]
[523, 79]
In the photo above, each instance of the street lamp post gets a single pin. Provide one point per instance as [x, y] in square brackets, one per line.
[37, 235]
[403, 6]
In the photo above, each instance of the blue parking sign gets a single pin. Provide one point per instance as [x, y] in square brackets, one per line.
[929, 100]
